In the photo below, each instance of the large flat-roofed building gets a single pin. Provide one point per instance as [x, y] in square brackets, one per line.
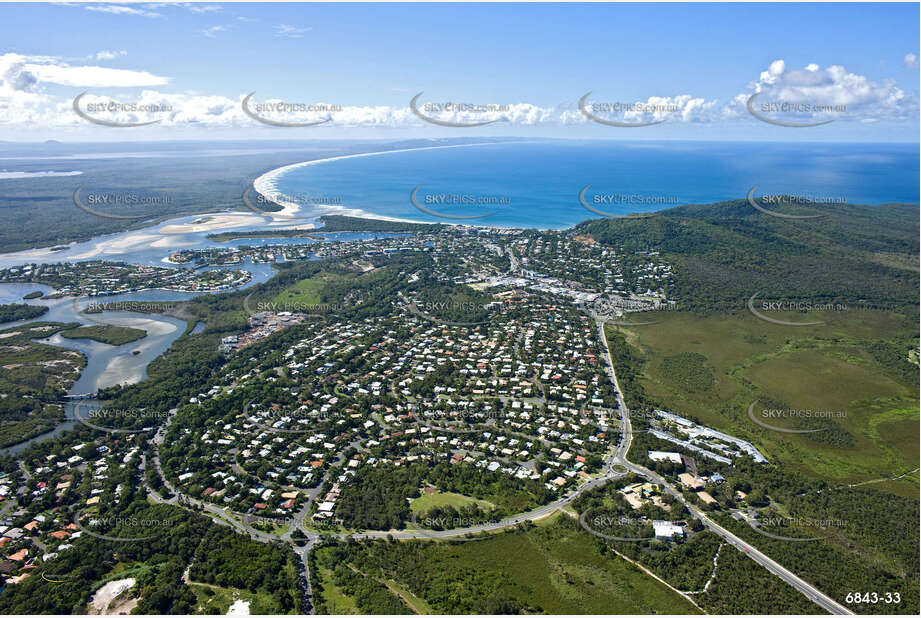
[675, 418]
[664, 456]
[666, 529]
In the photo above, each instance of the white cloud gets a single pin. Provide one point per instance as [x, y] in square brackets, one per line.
[679, 108]
[120, 9]
[93, 76]
[292, 32]
[202, 8]
[911, 61]
[108, 55]
[774, 71]
[183, 110]
[26, 100]
[213, 30]
[23, 99]
[26, 73]
[847, 96]
[14, 77]
[20, 99]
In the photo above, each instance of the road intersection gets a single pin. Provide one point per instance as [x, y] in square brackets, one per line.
[616, 459]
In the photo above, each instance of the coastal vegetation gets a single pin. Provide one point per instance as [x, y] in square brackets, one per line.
[342, 223]
[226, 236]
[379, 498]
[30, 218]
[34, 379]
[331, 224]
[112, 335]
[860, 528]
[217, 557]
[555, 568]
[705, 365]
[182, 186]
[16, 312]
[726, 252]
[850, 377]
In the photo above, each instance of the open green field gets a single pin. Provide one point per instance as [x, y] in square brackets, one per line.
[112, 335]
[303, 293]
[336, 601]
[554, 568]
[714, 367]
[270, 528]
[414, 603]
[425, 502]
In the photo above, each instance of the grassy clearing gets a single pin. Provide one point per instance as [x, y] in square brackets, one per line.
[416, 604]
[123, 570]
[555, 568]
[825, 367]
[303, 293]
[565, 573]
[425, 502]
[336, 601]
[266, 526]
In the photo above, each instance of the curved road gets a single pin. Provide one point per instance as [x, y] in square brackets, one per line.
[618, 456]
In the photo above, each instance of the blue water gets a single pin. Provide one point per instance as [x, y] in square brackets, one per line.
[542, 180]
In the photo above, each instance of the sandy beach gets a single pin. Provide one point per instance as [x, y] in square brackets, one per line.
[169, 234]
[210, 223]
[267, 185]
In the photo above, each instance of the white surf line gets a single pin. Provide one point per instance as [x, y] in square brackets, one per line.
[266, 183]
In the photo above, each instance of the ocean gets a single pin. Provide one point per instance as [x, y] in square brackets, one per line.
[538, 184]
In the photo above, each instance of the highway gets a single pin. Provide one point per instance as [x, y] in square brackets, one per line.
[619, 456]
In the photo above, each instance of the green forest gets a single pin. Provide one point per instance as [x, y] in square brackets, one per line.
[726, 252]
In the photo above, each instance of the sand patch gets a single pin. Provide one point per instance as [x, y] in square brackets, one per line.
[239, 608]
[213, 222]
[99, 604]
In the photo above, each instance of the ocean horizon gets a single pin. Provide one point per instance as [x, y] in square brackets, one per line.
[538, 184]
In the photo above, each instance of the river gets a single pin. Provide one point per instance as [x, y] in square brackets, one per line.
[109, 365]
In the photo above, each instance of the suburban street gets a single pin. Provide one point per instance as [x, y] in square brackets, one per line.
[617, 457]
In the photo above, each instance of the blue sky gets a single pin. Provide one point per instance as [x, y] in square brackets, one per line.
[692, 66]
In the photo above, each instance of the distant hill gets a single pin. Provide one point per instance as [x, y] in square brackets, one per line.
[727, 251]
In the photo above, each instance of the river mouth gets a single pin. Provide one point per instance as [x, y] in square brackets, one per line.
[109, 365]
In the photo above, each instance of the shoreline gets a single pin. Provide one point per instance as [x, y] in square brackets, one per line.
[266, 185]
